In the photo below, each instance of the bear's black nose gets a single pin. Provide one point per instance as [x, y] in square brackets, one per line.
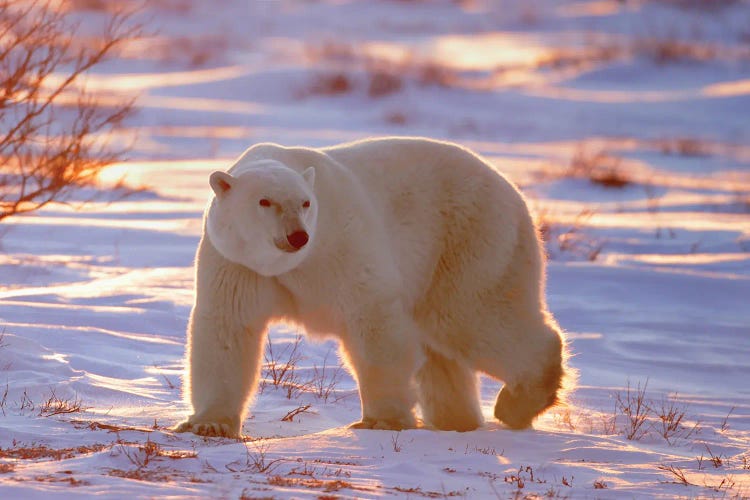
[298, 239]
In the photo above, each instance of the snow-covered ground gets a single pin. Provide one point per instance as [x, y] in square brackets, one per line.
[627, 124]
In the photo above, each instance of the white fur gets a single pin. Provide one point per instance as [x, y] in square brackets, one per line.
[423, 262]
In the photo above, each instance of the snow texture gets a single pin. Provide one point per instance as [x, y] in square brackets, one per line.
[626, 124]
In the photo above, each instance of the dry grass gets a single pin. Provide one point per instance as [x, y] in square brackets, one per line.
[664, 51]
[42, 452]
[566, 58]
[707, 6]
[568, 239]
[677, 473]
[327, 486]
[353, 69]
[643, 416]
[685, 146]
[142, 455]
[601, 168]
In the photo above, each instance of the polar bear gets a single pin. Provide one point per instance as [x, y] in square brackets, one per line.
[418, 256]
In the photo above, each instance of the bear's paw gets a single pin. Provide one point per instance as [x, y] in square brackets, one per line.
[389, 424]
[208, 429]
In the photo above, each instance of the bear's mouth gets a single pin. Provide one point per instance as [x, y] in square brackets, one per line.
[284, 246]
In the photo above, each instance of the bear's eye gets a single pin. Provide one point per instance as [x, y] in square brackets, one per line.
[264, 202]
[306, 204]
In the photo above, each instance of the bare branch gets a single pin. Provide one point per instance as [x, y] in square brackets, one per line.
[54, 131]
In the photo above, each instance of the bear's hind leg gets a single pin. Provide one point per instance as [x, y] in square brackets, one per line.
[382, 349]
[448, 394]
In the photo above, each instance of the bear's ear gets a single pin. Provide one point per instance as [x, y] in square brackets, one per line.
[309, 175]
[221, 182]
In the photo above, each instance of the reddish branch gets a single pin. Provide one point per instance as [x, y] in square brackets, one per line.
[51, 126]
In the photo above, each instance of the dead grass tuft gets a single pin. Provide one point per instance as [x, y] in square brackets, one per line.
[327, 486]
[330, 84]
[685, 146]
[664, 51]
[600, 168]
[376, 75]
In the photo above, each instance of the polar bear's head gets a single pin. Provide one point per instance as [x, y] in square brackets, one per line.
[263, 216]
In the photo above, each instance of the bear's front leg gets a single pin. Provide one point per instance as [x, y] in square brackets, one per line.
[222, 373]
[225, 341]
[382, 346]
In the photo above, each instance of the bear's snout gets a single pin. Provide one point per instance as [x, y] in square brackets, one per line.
[298, 239]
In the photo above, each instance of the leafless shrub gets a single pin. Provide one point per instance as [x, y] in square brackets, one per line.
[568, 239]
[54, 405]
[634, 406]
[256, 460]
[280, 368]
[326, 379]
[143, 455]
[670, 414]
[54, 132]
[676, 472]
[289, 417]
[599, 484]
